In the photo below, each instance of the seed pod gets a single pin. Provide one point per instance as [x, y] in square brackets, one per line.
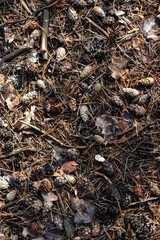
[46, 185]
[11, 195]
[139, 111]
[72, 104]
[27, 98]
[84, 113]
[41, 84]
[147, 81]
[115, 100]
[72, 15]
[98, 11]
[36, 228]
[96, 229]
[138, 190]
[130, 92]
[47, 106]
[99, 139]
[86, 71]
[60, 54]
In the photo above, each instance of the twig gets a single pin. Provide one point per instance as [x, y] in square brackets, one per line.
[45, 33]
[26, 7]
[98, 27]
[11, 22]
[16, 152]
[50, 136]
[15, 54]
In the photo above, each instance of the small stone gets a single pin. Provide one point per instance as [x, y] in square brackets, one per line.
[60, 54]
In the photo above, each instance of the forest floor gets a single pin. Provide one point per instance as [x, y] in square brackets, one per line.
[79, 119]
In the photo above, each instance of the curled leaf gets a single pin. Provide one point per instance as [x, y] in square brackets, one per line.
[117, 67]
[69, 167]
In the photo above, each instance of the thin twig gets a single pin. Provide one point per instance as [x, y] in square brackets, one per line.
[16, 152]
[45, 33]
[52, 137]
[26, 7]
[98, 27]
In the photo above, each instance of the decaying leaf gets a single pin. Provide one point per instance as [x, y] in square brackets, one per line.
[69, 167]
[117, 67]
[107, 126]
[85, 211]
[151, 29]
[155, 189]
[10, 99]
[49, 197]
[9, 34]
[28, 116]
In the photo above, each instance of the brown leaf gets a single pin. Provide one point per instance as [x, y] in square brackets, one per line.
[49, 197]
[117, 67]
[1, 78]
[29, 115]
[10, 99]
[59, 172]
[69, 167]
[9, 34]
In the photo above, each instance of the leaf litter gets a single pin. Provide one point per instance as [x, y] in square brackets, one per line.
[79, 119]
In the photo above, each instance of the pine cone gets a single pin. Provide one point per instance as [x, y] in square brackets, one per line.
[126, 200]
[8, 147]
[29, 97]
[37, 206]
[87, 186]
[58, 221]
[31, 197]
[72, 15]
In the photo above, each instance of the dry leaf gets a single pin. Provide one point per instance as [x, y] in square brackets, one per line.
[9, 35]
[59, 172]
[12, 101]
[117, 67]
[29, 115]
[1, 78]
[49, 197]
[69, 167]
[151, 29]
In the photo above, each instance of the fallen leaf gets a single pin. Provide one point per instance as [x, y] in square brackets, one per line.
[49, 197]
[59, 172]
[9, 35]
[29, 116]
[117, 67]
[12, 101]
[85, 210]
[69, 167]
[151, 29]
[1, 78]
